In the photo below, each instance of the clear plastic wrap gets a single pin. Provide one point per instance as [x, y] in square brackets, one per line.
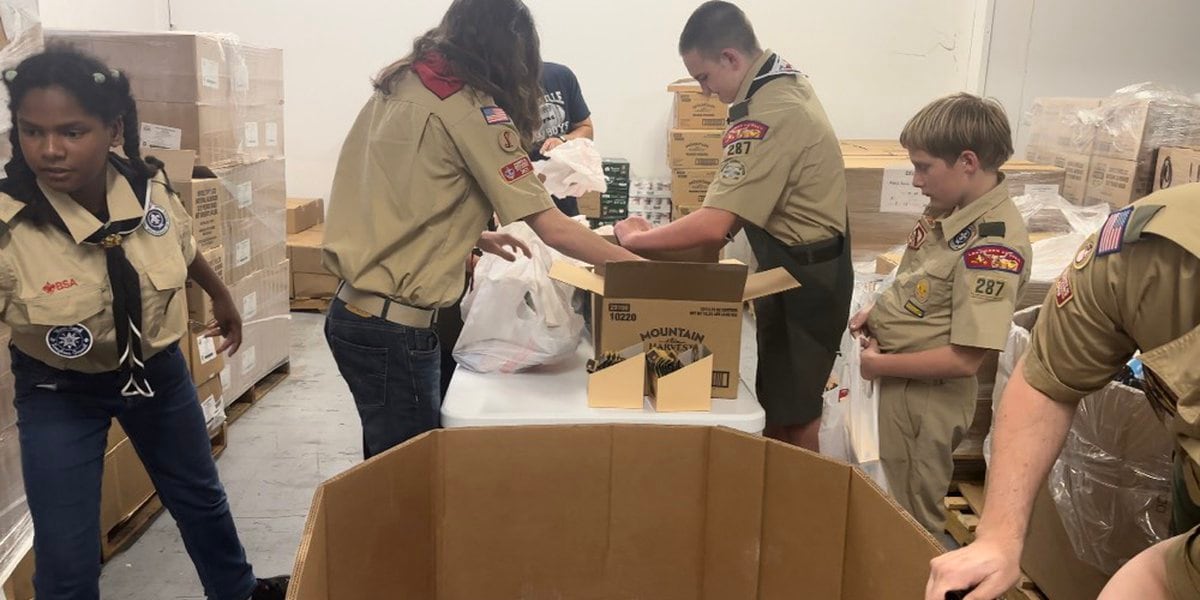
[1057, 229]
[23, 33]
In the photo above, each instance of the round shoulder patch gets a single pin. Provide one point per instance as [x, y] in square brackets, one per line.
[733, 171]
[960, 241]
[157, 223]
[69, 341]
[508, 141]
[1085, 254]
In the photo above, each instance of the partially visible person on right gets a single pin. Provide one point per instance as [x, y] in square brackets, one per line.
[1133, 287]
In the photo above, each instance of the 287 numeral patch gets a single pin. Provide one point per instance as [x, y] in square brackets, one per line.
[987, 288]
[738, 148]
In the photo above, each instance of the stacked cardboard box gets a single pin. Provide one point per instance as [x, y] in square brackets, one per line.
[310, 280]
[1176, 166]
[612, 205]
[1108, 145]
[263, 301]
[16, 528]
[651, 200]
[694, 146]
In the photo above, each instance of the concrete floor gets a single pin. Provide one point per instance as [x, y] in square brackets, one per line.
[303, 432]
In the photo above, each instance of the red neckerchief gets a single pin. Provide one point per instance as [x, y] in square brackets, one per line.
[434, 72]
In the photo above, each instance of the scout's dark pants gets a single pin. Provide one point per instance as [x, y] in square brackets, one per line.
[393, 372]
[63, 419]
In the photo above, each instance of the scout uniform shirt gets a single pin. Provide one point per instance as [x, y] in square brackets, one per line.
[420, 174]
[959, 280]
[1134, 285]
[782, 169]
[55, 291]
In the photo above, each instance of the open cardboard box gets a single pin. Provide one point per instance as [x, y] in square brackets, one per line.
[606, 512]
[622, 385]
[686, 389]
[675, 305]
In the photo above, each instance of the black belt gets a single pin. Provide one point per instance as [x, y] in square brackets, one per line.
[817, 252]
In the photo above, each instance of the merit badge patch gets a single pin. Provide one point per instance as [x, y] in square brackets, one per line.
[918, 235]
[1113, 232]
[1062, 290]
[746, 130]
[960, 241]
[994, 258]
[914, 310]
[69, 341]
[516, 169]
[508, 141]
[156, 222]
[733, 171]
[494, 115]
[1084, 256]
[922, 291]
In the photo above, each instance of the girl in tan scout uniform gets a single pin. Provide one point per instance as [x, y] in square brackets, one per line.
[952, 301]
[434, 152]
[1133, 286]
[94, 252]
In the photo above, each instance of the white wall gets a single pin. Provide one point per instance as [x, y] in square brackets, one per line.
[873, 63]
[1088, 48]
[123, 15]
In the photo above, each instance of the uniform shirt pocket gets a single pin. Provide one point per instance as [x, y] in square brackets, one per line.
[65, 308]
[166, 278]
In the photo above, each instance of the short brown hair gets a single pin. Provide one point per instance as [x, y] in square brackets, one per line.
[715, 26]
[949, 126]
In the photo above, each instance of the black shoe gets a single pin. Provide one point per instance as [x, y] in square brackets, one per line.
[274, 588]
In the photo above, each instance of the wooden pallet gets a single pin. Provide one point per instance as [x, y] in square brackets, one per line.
[262, 387]
[220, 439]
[319, 305]
[961, 521]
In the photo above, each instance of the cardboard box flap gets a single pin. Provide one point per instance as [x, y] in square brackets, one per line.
[177, 163]
[769, 282]
[877, 531]
[577, 276]
[675, 281]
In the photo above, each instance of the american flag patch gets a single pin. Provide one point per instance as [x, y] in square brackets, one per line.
[494, 115]
[1113, 232]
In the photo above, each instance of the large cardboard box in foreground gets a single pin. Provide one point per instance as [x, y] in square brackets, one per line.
[606, 512]
[675, 306]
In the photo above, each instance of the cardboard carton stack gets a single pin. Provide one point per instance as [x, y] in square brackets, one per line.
[1108, 145]
[310, 280]
[1176, 166]
[16, 526]
[651, 200]
[223, 100]
[612, 205]
[694, 144]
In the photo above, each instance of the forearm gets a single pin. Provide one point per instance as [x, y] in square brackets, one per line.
[683, 234]
[582, 131]
[945, 362]
[204, 275]
[1029, 434]
[575, 240]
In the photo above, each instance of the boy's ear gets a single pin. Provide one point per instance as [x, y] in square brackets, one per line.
[970, 160]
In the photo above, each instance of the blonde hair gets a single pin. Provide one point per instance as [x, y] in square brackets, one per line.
[949, 126]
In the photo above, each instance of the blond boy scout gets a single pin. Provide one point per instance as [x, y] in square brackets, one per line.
[782, 182]
[1133, 286]
[952, 301]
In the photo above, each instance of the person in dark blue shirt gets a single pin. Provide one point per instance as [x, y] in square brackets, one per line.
[565, 116]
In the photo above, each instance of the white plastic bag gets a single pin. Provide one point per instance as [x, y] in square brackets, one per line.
[573, 169]
[515, 317]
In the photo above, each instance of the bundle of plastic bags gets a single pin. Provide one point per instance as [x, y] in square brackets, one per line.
[573, 169]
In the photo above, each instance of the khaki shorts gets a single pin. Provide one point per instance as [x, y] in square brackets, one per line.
[1183, 566]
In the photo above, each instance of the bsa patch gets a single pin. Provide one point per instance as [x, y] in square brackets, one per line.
[516, 169]
[733, 171]
[69, 341]
[52, 287]
[746, 130]
[156, 221]
[1113, 232]
[508, 141]
[1063, 291]
[494, 115]
[922, 291]
[994, 258]
[960, 241]
[914, 310]
[1084, 256]
[918, 235]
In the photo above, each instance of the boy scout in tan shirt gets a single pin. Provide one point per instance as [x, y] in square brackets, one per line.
[1134, 285]
[952, 301]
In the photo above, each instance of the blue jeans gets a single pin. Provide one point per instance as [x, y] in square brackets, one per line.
[394, 374]
[63, 419]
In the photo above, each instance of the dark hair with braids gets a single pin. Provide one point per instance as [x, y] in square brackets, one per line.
[102, 92]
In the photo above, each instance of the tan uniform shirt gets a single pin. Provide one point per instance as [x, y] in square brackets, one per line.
[54, 289]
[959, 280]
[783, 168]
[417, 180]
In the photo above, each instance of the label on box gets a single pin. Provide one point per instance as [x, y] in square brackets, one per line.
[245, 192]
[241, 77]
[898, 194]
[249, 360]
[1041, 189]
[210, 73]
[272, 135]
[210, 408]
[226, 378]
[251, 134]
[250, 305]
[161, 136]
[243, 253]
[208, 349]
